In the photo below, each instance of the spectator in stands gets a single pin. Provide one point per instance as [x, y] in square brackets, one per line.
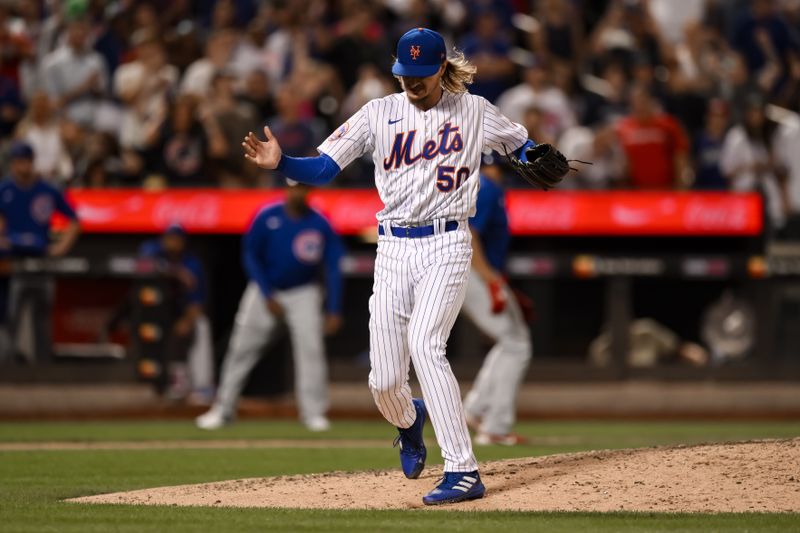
[41, 128]
[747, 159]
[605, 96]
[789, 94]
[598, 145]
[180, 147]
[27, 204]
[248, 54]
[360, 38]
[707, 149]
[370, 85]
[421, 13]
[11, 106]
[786, 151]
[75, 76]
[488, 49]
[101, 163]
[283, 33]
[144, 87]
[537, 88]
[561, 35]
[234, 119]
[673, 20]
[15, 47]
[767, 43]
[694, 76]
[288, 126]
[219, 50]
[654, 143]
[223, 15]
[626, 30]
[146, 16]
[536, 122]
[258, 93]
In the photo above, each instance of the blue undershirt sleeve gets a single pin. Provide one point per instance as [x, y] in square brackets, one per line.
[520, 152]
[309, 170]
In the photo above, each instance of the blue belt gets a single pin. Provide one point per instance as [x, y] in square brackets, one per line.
[415, 232]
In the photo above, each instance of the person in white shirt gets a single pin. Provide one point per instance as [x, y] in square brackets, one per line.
[41, 128]
[144, 87]
[75, 76]
[747, 159]
[551, 100]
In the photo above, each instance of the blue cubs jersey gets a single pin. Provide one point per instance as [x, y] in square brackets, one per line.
[491, 223]
[27, 213]
[282, 252]
[197, 293]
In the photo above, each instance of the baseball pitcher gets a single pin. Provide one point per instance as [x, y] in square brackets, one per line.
[426, 144]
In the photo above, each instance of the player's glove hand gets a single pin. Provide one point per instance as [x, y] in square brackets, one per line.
[545, 166]
[498, 295]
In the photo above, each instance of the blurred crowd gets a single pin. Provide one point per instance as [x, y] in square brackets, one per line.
[659, 94]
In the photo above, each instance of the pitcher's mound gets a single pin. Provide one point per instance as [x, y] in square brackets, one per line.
[750, 476]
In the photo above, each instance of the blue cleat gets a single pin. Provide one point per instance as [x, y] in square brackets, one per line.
[412, 447]
[456, 487]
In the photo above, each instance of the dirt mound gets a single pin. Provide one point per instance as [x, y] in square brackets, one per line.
[749, 476]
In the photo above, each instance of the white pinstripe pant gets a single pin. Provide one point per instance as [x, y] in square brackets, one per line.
[418, 291]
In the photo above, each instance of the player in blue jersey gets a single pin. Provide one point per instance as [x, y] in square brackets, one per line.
[490, 304]
[27, 204]
[191, 328]
[286, 249]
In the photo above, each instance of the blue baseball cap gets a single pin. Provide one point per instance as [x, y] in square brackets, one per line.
[420, 53]
[20, 150]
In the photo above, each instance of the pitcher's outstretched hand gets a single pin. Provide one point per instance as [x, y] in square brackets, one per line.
[265, 154]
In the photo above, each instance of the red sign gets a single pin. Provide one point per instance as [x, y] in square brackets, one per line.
[353, 211]
[634, 213]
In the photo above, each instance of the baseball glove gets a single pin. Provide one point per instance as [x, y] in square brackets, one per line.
[545, 166]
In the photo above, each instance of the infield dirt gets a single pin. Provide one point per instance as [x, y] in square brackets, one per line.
[757, 476]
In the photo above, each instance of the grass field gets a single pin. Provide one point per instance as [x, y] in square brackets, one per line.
[33, 483]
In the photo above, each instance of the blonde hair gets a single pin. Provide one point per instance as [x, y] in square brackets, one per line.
[458, 73]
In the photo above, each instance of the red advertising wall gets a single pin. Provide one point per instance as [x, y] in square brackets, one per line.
[353, 211]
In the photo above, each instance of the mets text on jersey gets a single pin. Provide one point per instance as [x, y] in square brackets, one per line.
[401, 149]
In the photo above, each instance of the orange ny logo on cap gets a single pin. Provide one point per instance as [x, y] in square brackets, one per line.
[415, 52]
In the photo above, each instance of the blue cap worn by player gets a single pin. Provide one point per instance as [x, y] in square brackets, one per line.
[420, 53]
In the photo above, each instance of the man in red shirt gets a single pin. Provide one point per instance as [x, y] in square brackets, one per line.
[655, 145]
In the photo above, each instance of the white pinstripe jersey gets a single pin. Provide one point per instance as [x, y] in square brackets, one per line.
[426, 162]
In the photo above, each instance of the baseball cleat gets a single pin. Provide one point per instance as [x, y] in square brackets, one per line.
[317, 424]
[412, 446]
[456, 487]
[214, 418]
[509, 439]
